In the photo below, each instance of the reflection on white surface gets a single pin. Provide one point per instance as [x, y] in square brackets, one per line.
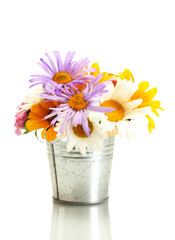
[80, 222]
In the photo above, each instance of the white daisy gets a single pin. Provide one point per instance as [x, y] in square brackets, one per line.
[80, 141]
[126, 118]
[31, 99]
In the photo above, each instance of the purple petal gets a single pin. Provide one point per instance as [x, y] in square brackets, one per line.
[85, 126]
[100, 109]
[95, 80]
[39, 75]
[84, 77]
[59, 61]
[77, 82]
[56, 98]
[72, 91]
[62, 106]
[66, 60]
[63, 124]
[79, 65]
[86, 71]
[87, 92]
[46, 65]
[78, 118]
[68, 63]
[67, 118]
[51, 62]
[58, 117]
[53, 113]
[35, 84]
[93, 102]
[45, 69]
[38, 79]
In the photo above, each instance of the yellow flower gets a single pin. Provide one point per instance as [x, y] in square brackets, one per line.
[127, 74]
[147, 97]
[106, 76]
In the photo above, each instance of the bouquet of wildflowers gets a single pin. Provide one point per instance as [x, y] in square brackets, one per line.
[78, 104]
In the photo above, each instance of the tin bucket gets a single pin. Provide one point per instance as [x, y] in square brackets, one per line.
[80, 179]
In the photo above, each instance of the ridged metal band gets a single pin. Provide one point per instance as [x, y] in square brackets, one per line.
[79, 179]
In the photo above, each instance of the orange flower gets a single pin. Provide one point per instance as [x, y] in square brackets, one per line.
[36, 119]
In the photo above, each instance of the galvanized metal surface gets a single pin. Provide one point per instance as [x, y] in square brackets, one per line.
[79, 179]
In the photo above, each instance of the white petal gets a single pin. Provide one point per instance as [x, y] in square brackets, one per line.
[136, 112]
[70, 145]
[123, 91]
[129, 93]
[132, 131]
[107, 96]
[133, 104]
[121, 129]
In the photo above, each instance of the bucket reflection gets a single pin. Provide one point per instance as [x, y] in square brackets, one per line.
[80, 222]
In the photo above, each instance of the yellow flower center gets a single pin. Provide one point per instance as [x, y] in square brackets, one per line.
[115, 115]
[77, 102]
[62, 77]
[78, 130]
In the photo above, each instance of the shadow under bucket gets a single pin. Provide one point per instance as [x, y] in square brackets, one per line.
[80, 179]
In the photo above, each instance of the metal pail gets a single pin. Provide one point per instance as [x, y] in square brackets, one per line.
[80, 179]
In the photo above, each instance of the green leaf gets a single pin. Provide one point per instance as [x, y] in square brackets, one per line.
[26, 132]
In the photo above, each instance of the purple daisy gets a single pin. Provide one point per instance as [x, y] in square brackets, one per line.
[61, 73]
[75, 106]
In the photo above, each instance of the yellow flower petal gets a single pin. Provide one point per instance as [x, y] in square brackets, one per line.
[144, 85]
[151, 124]
[106, 76]
[127, 74]
[96, 66]
[149, 95]
[155, 112]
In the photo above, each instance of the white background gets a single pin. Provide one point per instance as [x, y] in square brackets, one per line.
[136, 34]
